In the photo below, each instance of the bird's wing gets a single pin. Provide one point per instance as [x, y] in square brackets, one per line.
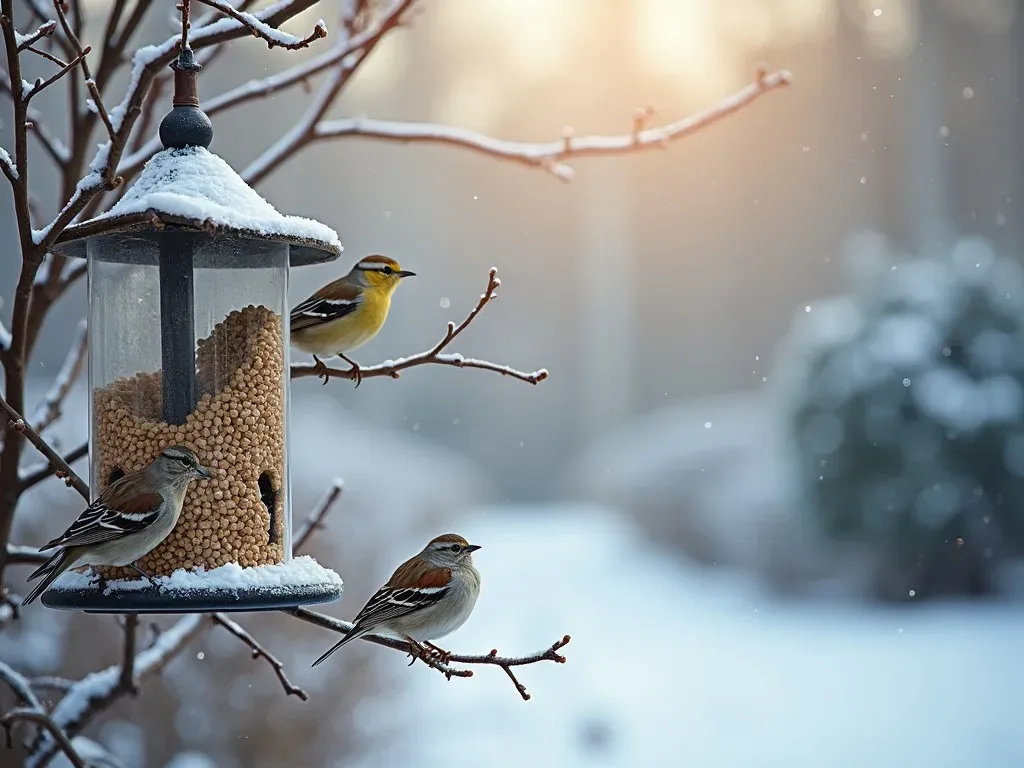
[125, 507]
[333, 301]
[413, 587]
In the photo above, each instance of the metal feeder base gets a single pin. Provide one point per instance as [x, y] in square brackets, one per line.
[153, 599]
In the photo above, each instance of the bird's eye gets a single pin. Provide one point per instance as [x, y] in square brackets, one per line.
[185, 460]
[455, 548]
[387, 271]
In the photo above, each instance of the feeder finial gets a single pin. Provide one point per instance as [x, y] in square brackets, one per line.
[186, 125]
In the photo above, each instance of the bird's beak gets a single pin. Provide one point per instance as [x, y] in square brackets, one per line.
[405, 273]
[203, 472]
[472, 547]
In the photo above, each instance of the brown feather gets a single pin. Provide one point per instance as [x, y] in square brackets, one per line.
[130, 494]
[417, 572]
[449, 538]
[339, 290]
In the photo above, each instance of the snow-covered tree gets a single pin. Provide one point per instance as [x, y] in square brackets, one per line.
[907, 415]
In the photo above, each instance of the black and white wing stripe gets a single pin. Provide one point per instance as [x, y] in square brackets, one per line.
[319, 309]
[389, 603]
[99, 522]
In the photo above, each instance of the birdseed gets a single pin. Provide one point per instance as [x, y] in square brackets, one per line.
[237, 429]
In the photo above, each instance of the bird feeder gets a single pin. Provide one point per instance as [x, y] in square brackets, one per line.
[188, 344]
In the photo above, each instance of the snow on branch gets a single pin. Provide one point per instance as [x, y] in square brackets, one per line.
[442, 662]
[53, 146]
[96, 691]
[60, 467]
[45, 30]
[7, 164]
[304, 131]
[147, 62]
[49, 410]
[274, 37]
[258, 89]
[432, 356]
[551, 155]
[56, 736]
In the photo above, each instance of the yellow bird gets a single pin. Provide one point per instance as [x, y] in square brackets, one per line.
[347, 313]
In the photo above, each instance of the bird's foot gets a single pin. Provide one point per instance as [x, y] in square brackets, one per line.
[442, 655]
[356, 372]
[416, 651]
[142, 573]
[321, 369]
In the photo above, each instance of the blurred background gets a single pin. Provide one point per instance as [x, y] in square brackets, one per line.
[774, 485]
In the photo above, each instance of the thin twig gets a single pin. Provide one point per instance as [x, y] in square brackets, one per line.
[41, 84]
[98, 690]
[44, 469]
[316, 517]
[442, 663]
[40, 718]
[304, 131]
[146, 64]
[49, 410]
[72, 36]
[274, 37]
[432, 356]
[62, 470]
[258, 651]
[48, 56]
[45, 30]
[550, 156]
[21, 686]
[54, 147]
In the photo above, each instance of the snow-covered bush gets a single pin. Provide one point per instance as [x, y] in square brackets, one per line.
[906, 409]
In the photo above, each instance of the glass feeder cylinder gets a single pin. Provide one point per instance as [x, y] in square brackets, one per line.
[188, 338]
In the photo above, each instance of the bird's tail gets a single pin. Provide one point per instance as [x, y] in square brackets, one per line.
[355, 633]
[49, 570]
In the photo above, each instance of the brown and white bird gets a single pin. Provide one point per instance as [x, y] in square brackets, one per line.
[428, 596]
[346, 313]
[128, 520]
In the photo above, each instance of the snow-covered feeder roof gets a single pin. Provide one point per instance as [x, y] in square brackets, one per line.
[193, 189]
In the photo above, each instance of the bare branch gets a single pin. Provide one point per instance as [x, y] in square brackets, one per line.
[98, 690]
[41, 84]
[25, 555]
[316, 517]
[258, 651]
[44, 470]
[146, 63]
[432, 356]
[61, 469]
[54, 147]
[45, 30]
[126, 681]
[49, 410]
[48, 56]
[21, 686]
[304, 131]
[549, 156]
[7, 165]
[40, 718]
[273, 37]
[72, 36]
[441, 662]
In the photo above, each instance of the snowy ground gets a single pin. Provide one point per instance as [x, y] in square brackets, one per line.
[670, 666]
